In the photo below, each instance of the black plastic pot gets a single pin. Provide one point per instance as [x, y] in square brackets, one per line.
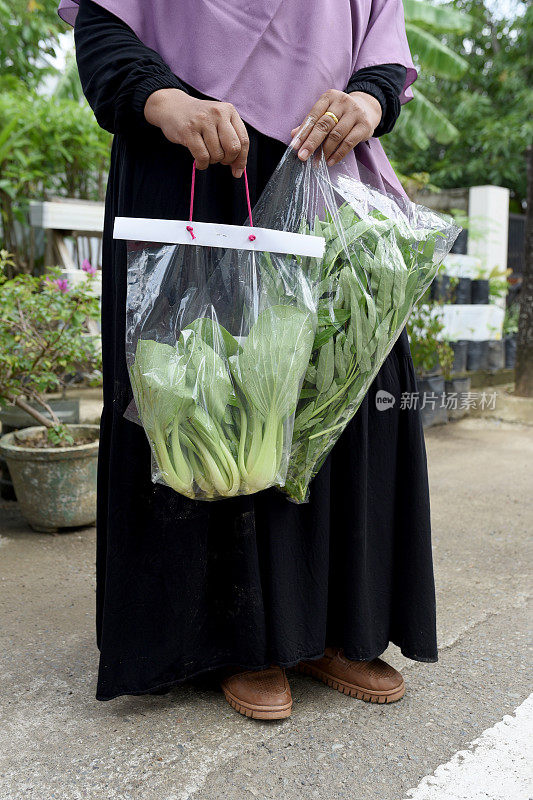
[496, 355]
[510, 350]
[435, 368]
[455, 389]
[14, 418]
[440, 289]
[462, 291]
[480, 292]
[477, 356]
[460, 350]
[431, 399]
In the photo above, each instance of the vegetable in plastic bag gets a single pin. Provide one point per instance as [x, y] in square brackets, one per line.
[382, 253]
[184, 395]
[232, 412]
[216, 354]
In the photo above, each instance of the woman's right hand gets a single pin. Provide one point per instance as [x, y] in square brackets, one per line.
[212, 131]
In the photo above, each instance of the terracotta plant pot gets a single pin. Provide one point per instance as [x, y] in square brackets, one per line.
[55, 486]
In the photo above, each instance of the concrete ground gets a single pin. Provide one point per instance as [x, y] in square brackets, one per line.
[56, 741]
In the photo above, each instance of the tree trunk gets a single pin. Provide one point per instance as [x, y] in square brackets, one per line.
[33, 412]
[524, 343]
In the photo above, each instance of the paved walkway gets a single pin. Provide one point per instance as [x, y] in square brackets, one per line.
[56, 741]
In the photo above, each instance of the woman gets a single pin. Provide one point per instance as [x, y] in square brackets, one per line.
[248, 586]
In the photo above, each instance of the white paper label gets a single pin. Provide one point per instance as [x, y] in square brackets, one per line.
[208, 234]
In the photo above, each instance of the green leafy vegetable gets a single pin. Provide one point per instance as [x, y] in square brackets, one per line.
[373, 271]
[220, 411]
[163, 399]
[216, 411]
[276, 350]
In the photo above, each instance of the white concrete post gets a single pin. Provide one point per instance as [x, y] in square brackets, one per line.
[488, 213]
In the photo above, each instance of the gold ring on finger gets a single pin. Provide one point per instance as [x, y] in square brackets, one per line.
[333, 116]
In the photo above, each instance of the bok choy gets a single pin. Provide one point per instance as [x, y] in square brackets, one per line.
[218, 412]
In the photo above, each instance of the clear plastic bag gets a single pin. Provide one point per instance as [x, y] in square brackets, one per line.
[229, 332]
[381, 254]
[216, 349]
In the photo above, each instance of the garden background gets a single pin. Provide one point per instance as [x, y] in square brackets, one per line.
[470, 123]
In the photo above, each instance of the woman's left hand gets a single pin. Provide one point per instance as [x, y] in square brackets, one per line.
[358, 113]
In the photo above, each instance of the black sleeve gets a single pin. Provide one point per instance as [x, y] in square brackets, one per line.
[117, 71]
[384, 82]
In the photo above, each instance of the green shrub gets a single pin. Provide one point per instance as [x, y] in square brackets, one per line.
[44, 336]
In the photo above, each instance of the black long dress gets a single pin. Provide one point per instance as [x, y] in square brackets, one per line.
[185, 586]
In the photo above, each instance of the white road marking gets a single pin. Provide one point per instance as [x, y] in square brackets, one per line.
[498, 765]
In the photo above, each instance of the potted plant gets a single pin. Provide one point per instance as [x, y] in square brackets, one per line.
[498, 287]
[496, 351]
[459, 349]
[13, 417]
[480, 288]
[510, 330]
[429, 353]
[460, 290]
[455, 385]
[498, 284]
[440, 291]
[44, 335]
[477, 356]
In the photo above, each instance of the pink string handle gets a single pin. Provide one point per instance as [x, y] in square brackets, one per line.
[189, 227]
[191, 205]
[192, 189]
[251, 237]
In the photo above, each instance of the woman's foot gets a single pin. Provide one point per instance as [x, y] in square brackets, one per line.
[374, 681]
[260, 694]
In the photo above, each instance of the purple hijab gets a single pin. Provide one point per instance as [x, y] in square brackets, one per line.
[272, 58]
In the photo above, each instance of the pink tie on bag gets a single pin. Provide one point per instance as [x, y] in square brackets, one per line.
[251, 237]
